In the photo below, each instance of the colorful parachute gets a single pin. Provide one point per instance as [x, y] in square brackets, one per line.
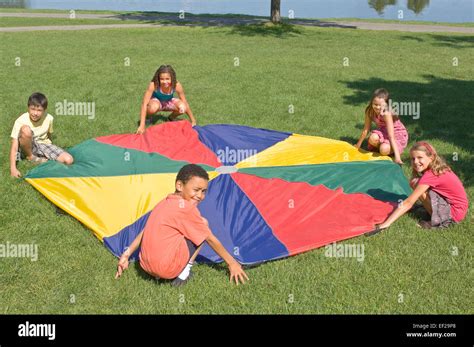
[271, 194]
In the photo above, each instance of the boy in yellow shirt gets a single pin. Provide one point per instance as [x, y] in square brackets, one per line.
[31, 134]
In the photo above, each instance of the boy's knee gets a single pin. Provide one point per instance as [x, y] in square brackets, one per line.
[25, 131]
[66, 158]
[384, 149]
[69, 160]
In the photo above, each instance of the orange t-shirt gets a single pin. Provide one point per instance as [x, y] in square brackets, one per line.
[164, 251]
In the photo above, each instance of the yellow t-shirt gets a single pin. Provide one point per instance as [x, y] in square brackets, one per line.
[40, 129]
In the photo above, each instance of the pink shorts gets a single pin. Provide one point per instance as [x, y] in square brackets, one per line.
[167, 105]
[401, 139]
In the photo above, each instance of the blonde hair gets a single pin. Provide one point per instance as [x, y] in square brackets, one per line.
[438, 165]
[378, 93]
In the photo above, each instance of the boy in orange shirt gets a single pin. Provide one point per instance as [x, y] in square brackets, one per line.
[176, 231]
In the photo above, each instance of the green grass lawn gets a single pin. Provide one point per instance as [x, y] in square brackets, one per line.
[406, 269]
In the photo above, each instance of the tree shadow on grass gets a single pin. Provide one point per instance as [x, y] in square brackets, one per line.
[455, 41]
[445, 112]
[243, 25]
[412, 38]
[266, 29]
[282, 30]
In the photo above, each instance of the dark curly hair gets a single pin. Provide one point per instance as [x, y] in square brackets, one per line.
[164, 69]
[189, 171]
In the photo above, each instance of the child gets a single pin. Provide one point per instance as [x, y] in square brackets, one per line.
[390, 135]
[159, 97]
[31, 134]
[436, 186]
[175, 233]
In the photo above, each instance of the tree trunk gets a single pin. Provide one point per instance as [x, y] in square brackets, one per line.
[275, 11]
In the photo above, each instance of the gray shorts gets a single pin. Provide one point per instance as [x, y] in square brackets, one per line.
[441, 216]
[44, 150]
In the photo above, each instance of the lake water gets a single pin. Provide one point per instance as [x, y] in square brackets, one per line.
[453, 11]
